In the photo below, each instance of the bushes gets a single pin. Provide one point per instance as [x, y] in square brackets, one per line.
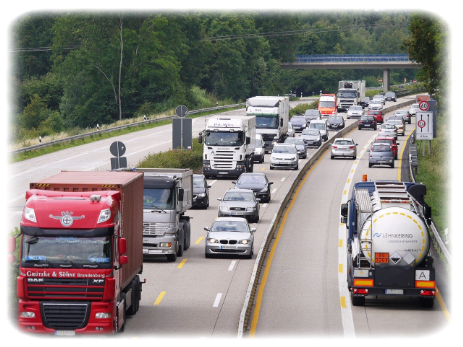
[8, 273]
[301, 108]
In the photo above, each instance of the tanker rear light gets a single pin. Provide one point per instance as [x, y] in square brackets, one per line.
[363, 282]
[425, 284]
[360, 291]
[428, 293]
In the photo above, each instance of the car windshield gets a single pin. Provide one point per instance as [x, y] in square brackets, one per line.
[355, 108]
[390, 142]
[343, 142]
[66, 251]
[415, 105]
[229, 226]
[387, 126]
[375, 101]
[381, 148]
[258, 143]
[312, 113]
[320, 126]
[312, 132]
[284, 149]
[296, 141]
[247, 179]
[298, 119]
[378, 96]
[394, 121]
[198, 181]
[238, 196]
[335, 119]
[390, 94]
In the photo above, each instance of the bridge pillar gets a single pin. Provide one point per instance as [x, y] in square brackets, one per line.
[386, 80]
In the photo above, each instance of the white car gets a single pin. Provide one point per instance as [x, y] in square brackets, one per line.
[413, 109]
[284, 155]
[387, 130]
[355, 111]
[380, 97]
[290, 130]
[376, 104]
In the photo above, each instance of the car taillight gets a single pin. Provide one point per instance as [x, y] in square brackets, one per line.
[335, 147]
[351, 147]
[360, 122]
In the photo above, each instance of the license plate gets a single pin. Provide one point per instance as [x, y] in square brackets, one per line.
[154, 251]
[367, 125]
[223, 173]
[65, 332]
[227, 247]
[394, 291]
[236, 213]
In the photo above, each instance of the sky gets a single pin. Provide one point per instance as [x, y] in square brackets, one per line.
[377, 4]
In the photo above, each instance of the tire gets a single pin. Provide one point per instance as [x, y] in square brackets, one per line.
[207, 255]
[180, 251]
[171, 257]
[370, 165]
[271, 167]
[186, 234]
[297, 167]
[332, 157]
[392, 165]
[360, 128]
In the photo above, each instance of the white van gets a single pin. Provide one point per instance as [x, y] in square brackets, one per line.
[259, 151]
[321, 125]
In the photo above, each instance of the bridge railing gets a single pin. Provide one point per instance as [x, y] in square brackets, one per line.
[354, 58]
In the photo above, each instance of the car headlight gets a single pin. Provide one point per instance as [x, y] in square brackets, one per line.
[265, 190]
[211, 240]
[250, 209]
[223, 208]
[293, 158]
[244, 242]
[202, 195]
[304, 125]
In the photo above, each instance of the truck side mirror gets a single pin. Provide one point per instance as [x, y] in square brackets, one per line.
[123, 259]
[11, 244]
[122, 245]
[248, 140]
[181, 192]
[344, 209]
[200, 138]
[281, 122]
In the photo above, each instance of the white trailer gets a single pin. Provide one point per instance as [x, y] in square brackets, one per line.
[229, 144]
[351, 93]
[272, 117]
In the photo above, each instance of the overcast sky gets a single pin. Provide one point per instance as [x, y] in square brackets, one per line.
[377, 4]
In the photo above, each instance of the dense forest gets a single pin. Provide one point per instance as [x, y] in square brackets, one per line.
[80, 69]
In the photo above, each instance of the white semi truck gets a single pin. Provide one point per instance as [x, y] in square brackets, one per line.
[351, 93]
[272, 117]
[388, 242]
[229, 144]
[167, 195]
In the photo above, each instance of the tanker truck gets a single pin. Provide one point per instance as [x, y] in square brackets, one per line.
[388, 242]
[81, 253]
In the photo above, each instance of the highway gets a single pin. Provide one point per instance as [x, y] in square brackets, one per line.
[203, 297]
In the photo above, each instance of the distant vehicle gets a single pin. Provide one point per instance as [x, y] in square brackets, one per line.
[413, 109]
[350, 93]
[327, 104]
[387, 130]
[376, 104]
[367, 122]
[380, 97]
[259, 151]
[257, 182]
[367, 101]
[299, 123]
[344, 147]
[239, 203]
[378, 114]
[230, 236]
[381, 154]
[336, 122]
[312, 137]
[355, 111]
[300, 146]
[200, 191]
[291, 131]
[398, 121]
[310, 115]
[391, 141]
[390, 96]
[405, 115]
[322, 126]
[284, 155]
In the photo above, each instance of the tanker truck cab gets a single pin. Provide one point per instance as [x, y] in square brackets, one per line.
[388, 242]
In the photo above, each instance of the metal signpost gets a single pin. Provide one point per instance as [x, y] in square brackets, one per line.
[117, 149]
[425, 124]
[182, 129]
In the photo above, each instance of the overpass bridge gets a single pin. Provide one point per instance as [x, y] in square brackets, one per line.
[386, 62]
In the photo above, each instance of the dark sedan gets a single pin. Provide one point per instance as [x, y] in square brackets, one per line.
[367, 122]
[257, 182]
[200, 191]
[299, 123]
[335, 122]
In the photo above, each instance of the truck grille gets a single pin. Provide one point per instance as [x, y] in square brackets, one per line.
[56, 288]
[223, 159]
[155, 228]
[65, 316]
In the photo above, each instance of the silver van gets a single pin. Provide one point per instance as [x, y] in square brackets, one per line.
[321, 125]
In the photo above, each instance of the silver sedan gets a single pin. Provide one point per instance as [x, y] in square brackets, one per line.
[230, 235]
[344, 147]
[239, 203]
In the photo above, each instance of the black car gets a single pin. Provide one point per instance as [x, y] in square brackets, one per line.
[299, 123]
[335, 122]
[367, 122]
[390, 96]
[257, 182]
[200, 191]
[311, 115]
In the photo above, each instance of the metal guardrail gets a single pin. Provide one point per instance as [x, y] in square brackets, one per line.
[354, 58]
[135, 124]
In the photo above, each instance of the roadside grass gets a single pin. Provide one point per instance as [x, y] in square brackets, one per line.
[434, 172]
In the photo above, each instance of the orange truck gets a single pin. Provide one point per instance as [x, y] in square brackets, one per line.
[327, 104]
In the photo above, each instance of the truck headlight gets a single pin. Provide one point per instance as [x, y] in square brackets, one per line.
[103, 315]
[104, 215]
[29, 214]
[27, 314]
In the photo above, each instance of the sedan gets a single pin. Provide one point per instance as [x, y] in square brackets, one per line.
[336, 122]
[390, 96]
[257, 182]
[367, 122]
[413, 109]
[355, 111]
[380, 97]
[312, 137]
[300, 146]
[399, 123]
[200, 191]
[381, 154]
[284, 155]
[376, 104]
[310, 115]
[299, 123]
[379, 115]
[239, 203]
[344, 147]
[404, 114]
[230, 236]
[387, 130]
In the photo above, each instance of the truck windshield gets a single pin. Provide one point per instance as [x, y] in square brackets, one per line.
[326, 104]
[66, 251]
[347, 94]
[224, 138]
[159, 199]
[267, 122]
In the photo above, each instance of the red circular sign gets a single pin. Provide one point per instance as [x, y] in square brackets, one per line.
[423, 105]
[421, 123]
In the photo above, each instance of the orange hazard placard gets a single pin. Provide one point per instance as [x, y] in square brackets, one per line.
[381, 257]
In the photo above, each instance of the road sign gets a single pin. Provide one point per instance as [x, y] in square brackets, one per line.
[181, 111]
[117, 148]
[423, 105]
[421, 123]
[424, 125]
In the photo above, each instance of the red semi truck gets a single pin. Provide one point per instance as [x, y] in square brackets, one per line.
[81, 253]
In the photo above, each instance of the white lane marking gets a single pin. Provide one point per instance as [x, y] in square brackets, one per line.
[346, 313]
[202, 342]
[274, 191]
[232, 265]
[217, 300]
[264, 205]
[283, 179]
[211, 183]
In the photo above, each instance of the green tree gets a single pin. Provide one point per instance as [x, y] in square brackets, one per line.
[34, 113]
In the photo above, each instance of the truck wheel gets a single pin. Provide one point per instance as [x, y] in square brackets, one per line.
[171, 257]
[134, 297]
[357, 300]
[186, 234]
